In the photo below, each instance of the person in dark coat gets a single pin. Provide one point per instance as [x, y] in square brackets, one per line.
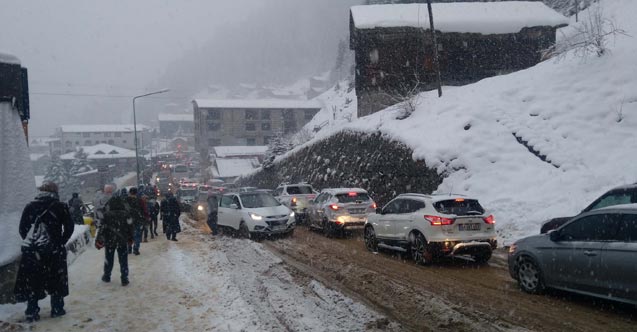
[172, 218]
[153, 209]
[213, 210]
[136, 211]
[45, 227]
[164, 212]
[77, 209]
[143, 201]
[115, 234]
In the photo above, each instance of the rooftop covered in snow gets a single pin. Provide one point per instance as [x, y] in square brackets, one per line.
[234, 151]
[257, 103]
[9, 59]
[100, 128]
[462, 17]
[102, 151]
[233, 167]
[183, 117]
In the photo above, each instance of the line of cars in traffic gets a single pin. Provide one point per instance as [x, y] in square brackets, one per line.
[593, 253]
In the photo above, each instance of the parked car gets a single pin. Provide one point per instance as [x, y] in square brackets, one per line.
[296, 197]
[187, 196]
[180, 172]
[246, 189]
[254, 214]
[432, 226]
[616, 196]
[592, 254]
[199, 209]
[340, 209]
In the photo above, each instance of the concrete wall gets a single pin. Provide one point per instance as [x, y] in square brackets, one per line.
[374, 162]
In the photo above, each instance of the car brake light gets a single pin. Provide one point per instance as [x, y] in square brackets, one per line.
[352, 194]
[489, 220]
[459, 199]
[334, 207]
[439, 221]
[374, 206]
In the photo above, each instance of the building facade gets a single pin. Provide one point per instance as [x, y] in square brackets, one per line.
[394, 46]
[248, 122]
[72, 136]
[176, 125]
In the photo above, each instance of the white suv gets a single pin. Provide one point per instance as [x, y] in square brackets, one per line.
[296, 197]
[432, 226]
[252, 214]
[340, 209]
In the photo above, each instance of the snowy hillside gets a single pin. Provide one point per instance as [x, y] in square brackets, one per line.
[488, 137]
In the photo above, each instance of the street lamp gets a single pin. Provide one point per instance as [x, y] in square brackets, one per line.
[135, 126]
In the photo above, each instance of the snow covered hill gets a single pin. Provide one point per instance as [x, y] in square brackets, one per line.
[535, 144]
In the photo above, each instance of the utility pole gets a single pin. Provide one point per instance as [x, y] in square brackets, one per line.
[576, 10]
[433, 37]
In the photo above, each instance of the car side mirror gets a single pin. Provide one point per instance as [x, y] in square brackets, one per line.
[234, 206]
[379, 211]
[554, 235]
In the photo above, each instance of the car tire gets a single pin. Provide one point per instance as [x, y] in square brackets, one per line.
[289, 234]
[418, 249]
[482, 258]
[529, 275]
[244, 232]
[371, 242]
[328, 231]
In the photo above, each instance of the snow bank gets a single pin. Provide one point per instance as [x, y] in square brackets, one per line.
[17, 181]
[579, 113]
[471, 17]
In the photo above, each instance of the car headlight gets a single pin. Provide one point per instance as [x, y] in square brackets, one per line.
[256, 217]
[292, 214]
[200, 208]
[512, 249]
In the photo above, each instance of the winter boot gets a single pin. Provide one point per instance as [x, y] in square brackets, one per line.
[125, 282]
[106, 278]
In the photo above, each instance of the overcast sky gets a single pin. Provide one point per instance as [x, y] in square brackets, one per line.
[123, 47]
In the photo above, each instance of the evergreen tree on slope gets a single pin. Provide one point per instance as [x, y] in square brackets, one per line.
[57, 173]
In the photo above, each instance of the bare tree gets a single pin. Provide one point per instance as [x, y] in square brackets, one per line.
[406, 98]
[590, 36]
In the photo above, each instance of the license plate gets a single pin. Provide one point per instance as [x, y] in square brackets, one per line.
[469, 227]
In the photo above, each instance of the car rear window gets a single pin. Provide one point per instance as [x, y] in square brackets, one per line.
[459, 207]
[352, 197]
[299, 190]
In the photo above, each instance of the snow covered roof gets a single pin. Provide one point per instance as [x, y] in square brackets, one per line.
[232, 167]
[464, 17]
[102, 151]
[258, 103]
[9, 59]
[184, 117]
[101, 128]
[230, 151]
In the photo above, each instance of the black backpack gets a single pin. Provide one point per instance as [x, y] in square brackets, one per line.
[38, 238]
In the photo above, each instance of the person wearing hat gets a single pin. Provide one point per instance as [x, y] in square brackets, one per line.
[45, 227]
[77, 209]
[115, 234]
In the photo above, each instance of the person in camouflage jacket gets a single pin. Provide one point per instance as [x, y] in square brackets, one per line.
[115, 233]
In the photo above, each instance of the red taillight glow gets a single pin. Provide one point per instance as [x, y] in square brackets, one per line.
[334, 207]
[489, 220]
[439, 221]
[374, 206]
[352, 194]
[459, 199]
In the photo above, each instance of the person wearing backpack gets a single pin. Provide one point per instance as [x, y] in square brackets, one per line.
[45, 227]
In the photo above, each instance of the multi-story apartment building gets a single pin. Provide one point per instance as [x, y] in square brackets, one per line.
[171, 125]
[73, 136]
[248, 122]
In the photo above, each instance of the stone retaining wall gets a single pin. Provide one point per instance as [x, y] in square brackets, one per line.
[374, 162]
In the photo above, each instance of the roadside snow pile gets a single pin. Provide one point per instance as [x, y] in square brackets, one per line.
[17, 181]
[490, 138]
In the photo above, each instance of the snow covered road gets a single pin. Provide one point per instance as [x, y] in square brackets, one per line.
[201, 284]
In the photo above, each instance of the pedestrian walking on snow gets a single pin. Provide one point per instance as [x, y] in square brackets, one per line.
[153, 210]
[45, 227]
[115, 234]
[172, 218]
[213, 210]
[146, 213]
[77, 209]
[163, 208]
[137, 214]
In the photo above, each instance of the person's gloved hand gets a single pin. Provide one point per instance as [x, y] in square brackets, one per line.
[99, 244]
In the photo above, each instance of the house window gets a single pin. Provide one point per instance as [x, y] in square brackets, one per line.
[251, 141]
[266, 140]
[111, 142]
[118, 134]
[86, 134]
[250, 127]
[68, 144]
[88, 142]
[214, 142]
[266, 126]
[77, 142]
[214, 114]
[214, 126]
[124, 142]
[251, 114]
[265, 115]
[309, 114]
[374, 56]
[107, 134]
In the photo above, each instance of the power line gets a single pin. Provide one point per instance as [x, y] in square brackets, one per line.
[97, 95]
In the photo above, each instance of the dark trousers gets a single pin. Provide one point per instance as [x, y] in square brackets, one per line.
[122, 257]
[145, 232]
[137, 239]
[212, 223]
[57, 306]
[153, 226]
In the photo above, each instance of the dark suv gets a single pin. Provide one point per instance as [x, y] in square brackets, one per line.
[616, 196]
